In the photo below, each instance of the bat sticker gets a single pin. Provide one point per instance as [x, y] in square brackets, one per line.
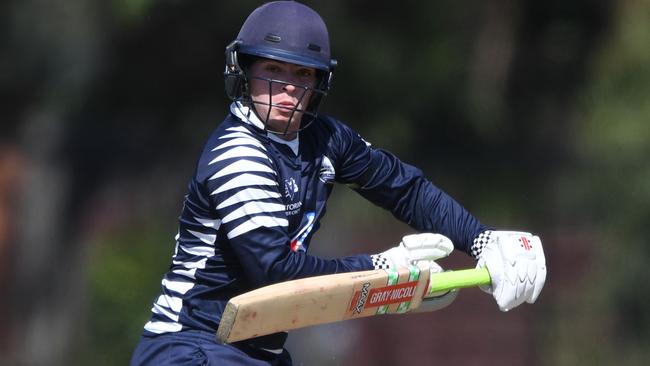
[362, 296]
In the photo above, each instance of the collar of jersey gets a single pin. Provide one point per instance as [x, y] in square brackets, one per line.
[247, 116]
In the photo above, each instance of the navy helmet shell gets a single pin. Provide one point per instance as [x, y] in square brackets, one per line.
[287, 31]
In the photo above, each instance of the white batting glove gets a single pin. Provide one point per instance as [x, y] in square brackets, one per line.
[516, 264]
[413, 249]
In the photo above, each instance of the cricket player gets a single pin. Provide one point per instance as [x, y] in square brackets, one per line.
[260, 188]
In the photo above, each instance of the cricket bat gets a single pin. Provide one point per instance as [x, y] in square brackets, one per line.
[330, 298]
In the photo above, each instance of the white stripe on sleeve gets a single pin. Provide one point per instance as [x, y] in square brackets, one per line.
[189, 273]
[240, 141]
[162, 327]
[239, 152]
[178, 286]
[248, 194]
[206, 238]
[170, 302]
[161, 310]
[238, 129]
[252, 208]
[236, 134]
[242, 166]
[199, 250]
[256, 222]
[200, 264]
[244, 180]
[208, 223]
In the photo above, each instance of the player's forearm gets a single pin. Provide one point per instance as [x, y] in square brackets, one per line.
[301, 265]
[404, 191]
[438, 212]
[279, 265]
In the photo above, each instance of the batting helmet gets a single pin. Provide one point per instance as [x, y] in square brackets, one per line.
[285, 31]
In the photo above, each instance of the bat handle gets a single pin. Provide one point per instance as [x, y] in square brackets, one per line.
[445, 281]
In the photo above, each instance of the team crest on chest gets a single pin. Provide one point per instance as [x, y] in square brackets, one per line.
[290, 189]
[290, 192]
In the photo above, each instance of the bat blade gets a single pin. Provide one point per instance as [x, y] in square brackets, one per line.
[331, 298]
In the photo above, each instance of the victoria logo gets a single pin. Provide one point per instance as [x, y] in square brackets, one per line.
[290, 188]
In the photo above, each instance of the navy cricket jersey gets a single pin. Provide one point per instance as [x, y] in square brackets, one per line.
[254, 204]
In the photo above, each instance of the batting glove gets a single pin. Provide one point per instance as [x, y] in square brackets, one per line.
[516, 264]
[415, 248]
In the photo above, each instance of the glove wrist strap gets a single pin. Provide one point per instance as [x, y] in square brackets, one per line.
[380, 262]
[480, 242]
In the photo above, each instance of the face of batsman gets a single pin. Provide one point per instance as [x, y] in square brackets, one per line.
[288, 69]
[280, 93]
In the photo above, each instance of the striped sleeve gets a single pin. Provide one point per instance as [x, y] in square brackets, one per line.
[244, 186]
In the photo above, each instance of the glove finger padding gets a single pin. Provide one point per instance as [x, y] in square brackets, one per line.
[414, 249]
[517, 266]
[434, 267]
[536, 244]
[426, 247]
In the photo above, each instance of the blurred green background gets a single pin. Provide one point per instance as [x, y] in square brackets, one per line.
[534, 115]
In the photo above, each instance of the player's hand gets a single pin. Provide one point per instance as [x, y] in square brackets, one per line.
[415, 248]
[516, 264]
[439, 300]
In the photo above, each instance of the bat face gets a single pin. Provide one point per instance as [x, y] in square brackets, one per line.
[323, 299]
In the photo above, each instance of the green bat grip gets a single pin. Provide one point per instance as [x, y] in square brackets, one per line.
[446, 281]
